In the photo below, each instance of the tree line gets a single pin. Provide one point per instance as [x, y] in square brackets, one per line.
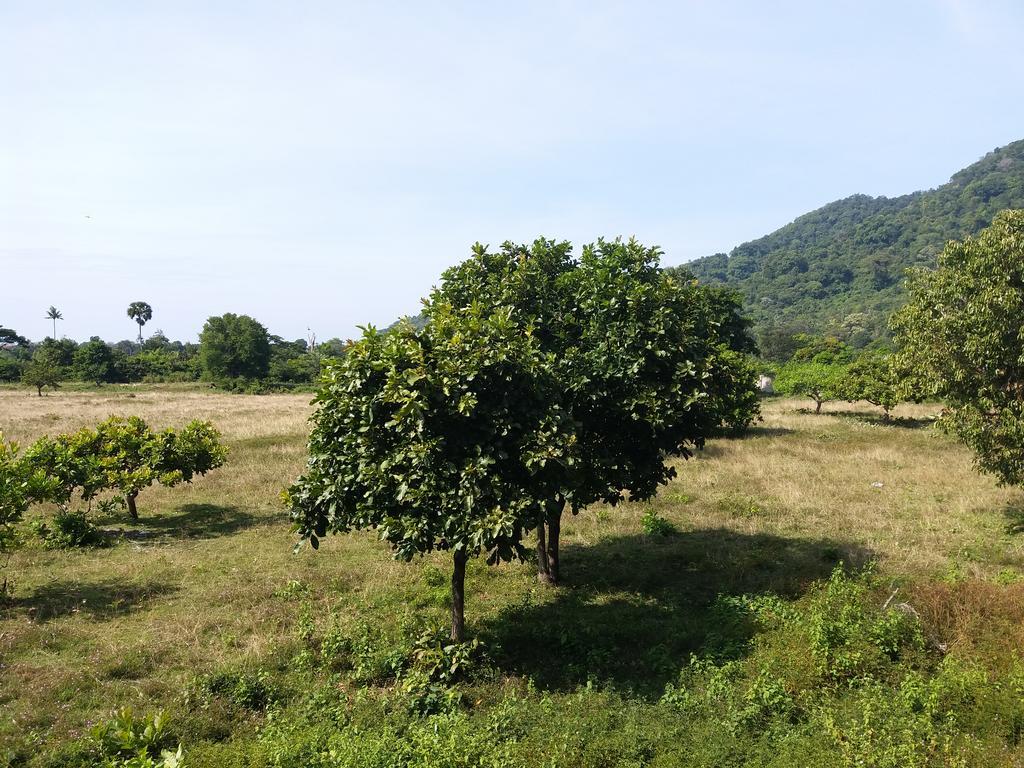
[235, 351]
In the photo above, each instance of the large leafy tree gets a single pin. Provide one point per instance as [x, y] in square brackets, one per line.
[645, 365]
[94, 361]
[141, 313]
[427, 437]
[234, 347]
[961, 334]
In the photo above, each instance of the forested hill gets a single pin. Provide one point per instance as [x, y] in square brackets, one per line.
[839, 269]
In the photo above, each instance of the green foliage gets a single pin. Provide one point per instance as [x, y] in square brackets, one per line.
[69, 528]
[20, 487]
[41, 373]
[874, 378]
[253, 691]
[234, 347]
[126, 741]
[537, 381]
[838, 269]
[819, 381]
[94, 361]
[141, 313]
[122, 455]
[654, 524]
[960, 332]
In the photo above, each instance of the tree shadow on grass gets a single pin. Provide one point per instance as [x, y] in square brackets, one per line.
[633, 609]
[877, 419]
[189, 521]
[99, 600]
[1014, 514]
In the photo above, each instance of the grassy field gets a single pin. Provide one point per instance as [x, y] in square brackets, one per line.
[206, 587]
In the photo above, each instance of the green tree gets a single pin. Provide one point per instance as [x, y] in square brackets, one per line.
[643, 364]
[960, 334]
[133, 457]
[54, 314]
[234, 347]
[819, 381]
[141, 313]
[425, 437]
[19, 488]
[873, 377]
[10, 338]
[94, 361]
[40, 373]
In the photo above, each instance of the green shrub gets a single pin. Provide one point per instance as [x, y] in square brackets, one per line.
[125, 741]
[655, 525]
[244, 689]
[68, 529]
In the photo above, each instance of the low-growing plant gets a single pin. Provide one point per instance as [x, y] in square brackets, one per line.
[656, 525]
[127, 741]
[68, 529]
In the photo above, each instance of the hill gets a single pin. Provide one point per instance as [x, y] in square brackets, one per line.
[839, 269]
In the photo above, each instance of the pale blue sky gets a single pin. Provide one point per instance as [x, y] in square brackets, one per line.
[319, 164]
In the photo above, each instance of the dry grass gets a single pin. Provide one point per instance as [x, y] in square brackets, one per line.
[198, 583]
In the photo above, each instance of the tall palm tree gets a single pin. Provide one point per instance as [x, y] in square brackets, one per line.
[141, 313]
[54, 314]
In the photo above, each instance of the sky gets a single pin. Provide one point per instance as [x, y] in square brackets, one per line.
[317, 165]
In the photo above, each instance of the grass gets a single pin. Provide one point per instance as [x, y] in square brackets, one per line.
[206, 584]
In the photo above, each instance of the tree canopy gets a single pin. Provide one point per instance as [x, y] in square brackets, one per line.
[537, 381]
[234, 347]
[961, 333]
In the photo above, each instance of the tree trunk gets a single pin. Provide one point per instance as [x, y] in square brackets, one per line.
[39, 389]
[133, 512]
[543, 565]
[554, 531]
[459, 597]
[885, 414]
[817, 407]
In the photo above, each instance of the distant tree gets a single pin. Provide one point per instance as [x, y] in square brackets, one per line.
[59, 352]
[960, 333]
[819, 381]
[54, 314]
[820, 349]
[234, 347]
[40, 373]
[141, 313]
[94, 361]
[157, 340]
[333, 348]
[873, 377]
[10, 338]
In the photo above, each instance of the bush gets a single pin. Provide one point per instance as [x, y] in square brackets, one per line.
[70, 528]
[656, 525]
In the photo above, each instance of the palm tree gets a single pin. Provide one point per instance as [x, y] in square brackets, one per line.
[141, 313]
[54, 314]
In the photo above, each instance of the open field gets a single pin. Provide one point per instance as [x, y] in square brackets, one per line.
[207, 581]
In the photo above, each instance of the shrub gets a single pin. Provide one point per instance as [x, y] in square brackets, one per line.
[70, 528]
[656, 525]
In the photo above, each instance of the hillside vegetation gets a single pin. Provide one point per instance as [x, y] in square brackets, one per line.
[839, 269]
[728, 622]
